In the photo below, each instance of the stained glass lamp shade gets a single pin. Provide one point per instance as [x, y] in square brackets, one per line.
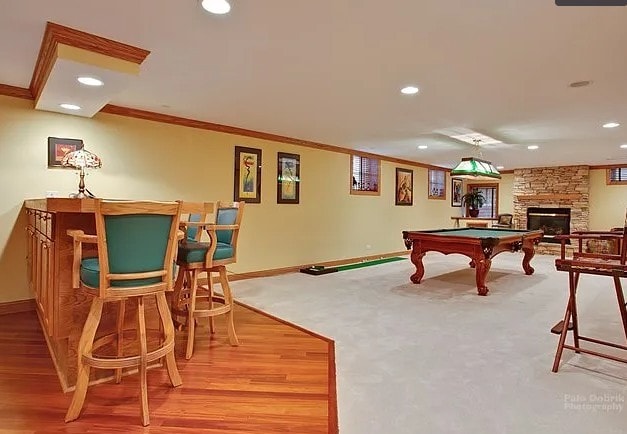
[475, 168]
[81, 159]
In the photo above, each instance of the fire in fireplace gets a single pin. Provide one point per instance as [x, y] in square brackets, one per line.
[552, 221]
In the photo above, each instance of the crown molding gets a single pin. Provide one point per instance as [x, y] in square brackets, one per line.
[192, 123]
[16, 92]
[20, 92]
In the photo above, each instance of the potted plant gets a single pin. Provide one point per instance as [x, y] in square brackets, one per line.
[473, 200]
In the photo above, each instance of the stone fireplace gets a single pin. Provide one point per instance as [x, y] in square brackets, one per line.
[553, 188]
[552, 221]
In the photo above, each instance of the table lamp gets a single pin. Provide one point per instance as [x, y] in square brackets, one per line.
[81, 159]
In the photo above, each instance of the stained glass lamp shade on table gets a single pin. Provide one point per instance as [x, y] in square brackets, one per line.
[81, 159]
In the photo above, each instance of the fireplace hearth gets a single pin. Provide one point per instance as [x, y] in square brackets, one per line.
[552, 221]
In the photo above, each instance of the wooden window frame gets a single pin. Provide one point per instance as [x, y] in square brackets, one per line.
[442, 196]
[495, 186]
[350, 177]
[608, 178]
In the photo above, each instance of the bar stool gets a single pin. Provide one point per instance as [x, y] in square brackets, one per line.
[196, 257]
[610, 265]
[136, 242]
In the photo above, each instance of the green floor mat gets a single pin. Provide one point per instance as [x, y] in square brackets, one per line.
[369, 263]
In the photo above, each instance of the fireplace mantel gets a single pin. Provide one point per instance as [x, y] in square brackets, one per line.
[562, 196]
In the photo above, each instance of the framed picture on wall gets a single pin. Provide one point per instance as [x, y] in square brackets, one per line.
[456, 192]
[404, 187]
[288, 178]
[58, 147]
[247, 175]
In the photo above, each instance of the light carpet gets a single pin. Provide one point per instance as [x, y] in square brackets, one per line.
[438, 358]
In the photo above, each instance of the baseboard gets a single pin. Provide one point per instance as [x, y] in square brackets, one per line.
[17, 306]
[29, 305]
[296, 268]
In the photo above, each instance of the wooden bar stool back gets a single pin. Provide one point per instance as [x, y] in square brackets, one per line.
[612, 265]
[195, 257]
[193, 214]
[136, 242]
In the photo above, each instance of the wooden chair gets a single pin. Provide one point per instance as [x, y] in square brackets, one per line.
[504, 221]
[582, 262]
[196, 257]
[136, 243]
[477, 224]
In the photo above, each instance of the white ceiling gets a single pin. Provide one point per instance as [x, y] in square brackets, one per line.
[330, 71]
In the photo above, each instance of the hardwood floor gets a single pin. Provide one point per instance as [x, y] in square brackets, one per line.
[280, 379]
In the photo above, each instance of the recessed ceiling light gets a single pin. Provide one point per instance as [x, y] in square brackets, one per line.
[218, 7]
[422, 146]
[582, 83]
[532, 147]
[90, 81]
[70, 106]
[611, 125]
[500, 167]
[624, 146]
[409, 90]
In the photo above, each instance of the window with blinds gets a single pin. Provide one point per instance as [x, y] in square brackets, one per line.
[365, 177]
[437, 184]
[491, 195]
[617, 175]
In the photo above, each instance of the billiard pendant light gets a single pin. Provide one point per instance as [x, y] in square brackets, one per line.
[475, 168]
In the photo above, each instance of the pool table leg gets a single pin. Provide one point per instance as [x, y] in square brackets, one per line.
[529, 253]
[482, 267]
[416, 259]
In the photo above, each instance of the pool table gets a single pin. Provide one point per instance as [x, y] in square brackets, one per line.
[479, 244]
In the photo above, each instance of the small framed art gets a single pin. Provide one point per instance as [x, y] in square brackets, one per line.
[404, 186]
[58, 147]
[288, 178]
[247, 175]
[456, 192]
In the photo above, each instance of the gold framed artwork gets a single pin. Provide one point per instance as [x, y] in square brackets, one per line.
[288, 178]
[58, 147]
[404, 187]
[247, 175]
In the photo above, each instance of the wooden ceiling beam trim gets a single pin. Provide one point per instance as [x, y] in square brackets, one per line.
[57, 34]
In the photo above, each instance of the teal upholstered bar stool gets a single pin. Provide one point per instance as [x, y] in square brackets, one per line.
[136, 243]
[196, 257]
[192, 212]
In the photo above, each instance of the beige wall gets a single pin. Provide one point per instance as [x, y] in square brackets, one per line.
[149, 160]
[607, 202]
